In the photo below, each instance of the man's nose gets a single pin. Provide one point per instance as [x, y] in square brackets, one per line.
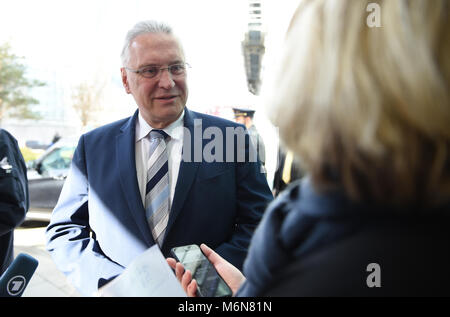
[165, 79]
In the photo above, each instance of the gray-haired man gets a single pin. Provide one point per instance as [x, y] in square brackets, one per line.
[120, 198]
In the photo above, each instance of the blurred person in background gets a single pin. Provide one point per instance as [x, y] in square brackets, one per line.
[367, 110]
[287, 171]
[13, 195]
[245, 116]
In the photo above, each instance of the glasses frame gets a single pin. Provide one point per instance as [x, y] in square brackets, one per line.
[140, 71]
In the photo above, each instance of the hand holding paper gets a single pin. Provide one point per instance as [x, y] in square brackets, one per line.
[148, 275]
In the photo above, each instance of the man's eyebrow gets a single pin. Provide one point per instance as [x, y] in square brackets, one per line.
[158, 65]
[148, 65]
[177, 62]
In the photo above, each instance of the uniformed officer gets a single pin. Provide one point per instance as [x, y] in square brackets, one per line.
[14, 201]
[245, 117]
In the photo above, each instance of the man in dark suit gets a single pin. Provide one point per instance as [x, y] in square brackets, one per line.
[120, 198]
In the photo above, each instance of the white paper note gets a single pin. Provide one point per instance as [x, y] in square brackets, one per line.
[148, 275]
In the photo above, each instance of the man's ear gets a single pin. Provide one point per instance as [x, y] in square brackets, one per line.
[125, 80]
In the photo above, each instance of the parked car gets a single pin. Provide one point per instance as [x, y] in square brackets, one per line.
[46, 176]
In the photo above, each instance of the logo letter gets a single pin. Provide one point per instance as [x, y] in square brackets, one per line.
[374, 18]
[16, 286]
[374, 278]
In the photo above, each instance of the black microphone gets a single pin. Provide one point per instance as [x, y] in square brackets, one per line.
[17, 276]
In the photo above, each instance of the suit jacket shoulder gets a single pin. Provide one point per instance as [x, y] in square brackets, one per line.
[110, 129]
[209, 120]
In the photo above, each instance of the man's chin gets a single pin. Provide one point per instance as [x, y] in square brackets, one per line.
[164, 116]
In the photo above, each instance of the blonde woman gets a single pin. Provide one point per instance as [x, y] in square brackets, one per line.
[366, 110]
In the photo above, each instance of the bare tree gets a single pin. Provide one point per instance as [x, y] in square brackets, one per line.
[86, 102]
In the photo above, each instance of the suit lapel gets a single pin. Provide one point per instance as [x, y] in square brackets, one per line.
[187, 172]
[126, 165]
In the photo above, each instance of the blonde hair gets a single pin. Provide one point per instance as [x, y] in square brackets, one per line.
[367, 108]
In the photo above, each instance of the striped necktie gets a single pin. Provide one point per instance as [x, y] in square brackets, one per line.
[157, 202]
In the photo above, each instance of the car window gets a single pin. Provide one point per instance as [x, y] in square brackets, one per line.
[58, 159]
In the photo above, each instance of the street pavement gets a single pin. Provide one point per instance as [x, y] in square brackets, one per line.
[47, 280]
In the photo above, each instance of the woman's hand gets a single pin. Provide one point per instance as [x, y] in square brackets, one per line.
[229, 273]
[185, 277]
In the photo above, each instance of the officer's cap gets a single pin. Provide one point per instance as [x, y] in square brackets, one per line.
[244, 112]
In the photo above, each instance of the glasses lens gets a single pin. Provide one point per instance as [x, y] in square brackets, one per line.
[177, 69]
[153, 71]
[150, 71]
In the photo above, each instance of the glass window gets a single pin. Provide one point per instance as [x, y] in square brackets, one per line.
[58, 159]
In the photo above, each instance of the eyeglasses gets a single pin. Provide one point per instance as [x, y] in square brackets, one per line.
[176, 70]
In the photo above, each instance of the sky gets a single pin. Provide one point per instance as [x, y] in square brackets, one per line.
[81, 40]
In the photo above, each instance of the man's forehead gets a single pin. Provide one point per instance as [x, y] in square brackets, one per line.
[155, 40]
[156, 46]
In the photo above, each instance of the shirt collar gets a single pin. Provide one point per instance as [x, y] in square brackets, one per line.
[174, 130]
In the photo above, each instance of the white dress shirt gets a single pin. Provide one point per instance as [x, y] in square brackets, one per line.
[174, 147]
